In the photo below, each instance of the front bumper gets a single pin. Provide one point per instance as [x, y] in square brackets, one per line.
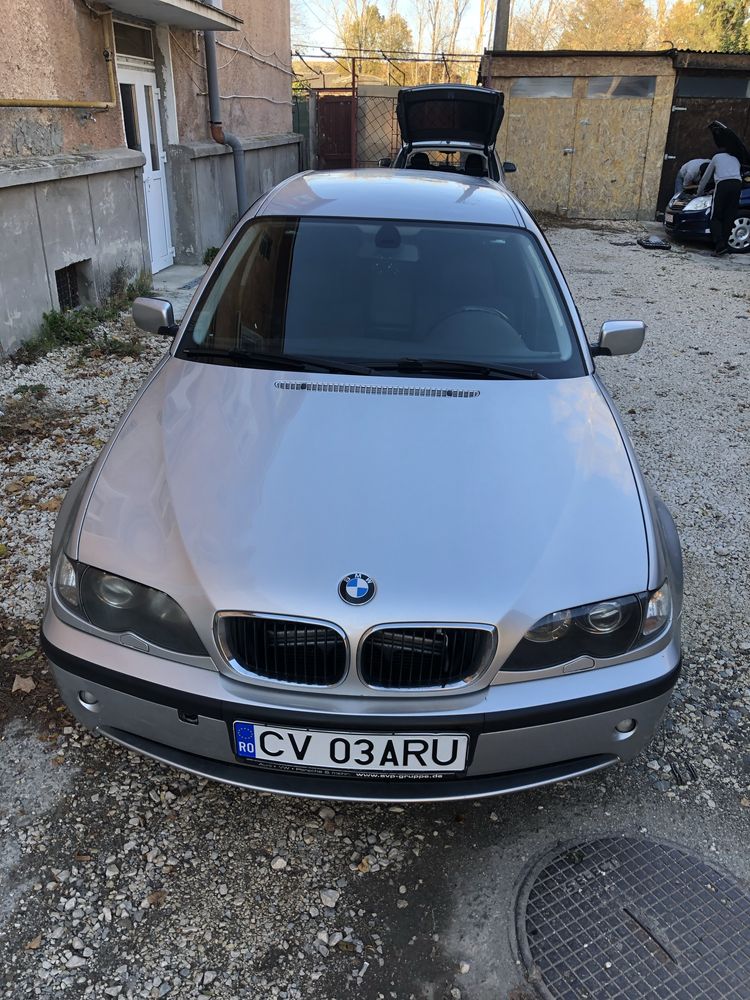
[522, 735]
[688, 225]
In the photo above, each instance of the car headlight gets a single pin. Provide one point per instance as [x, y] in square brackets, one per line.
[118, 605]
[699, 204]
[603, 629]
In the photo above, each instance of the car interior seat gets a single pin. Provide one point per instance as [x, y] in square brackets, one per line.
[475, 166]
[419, 161]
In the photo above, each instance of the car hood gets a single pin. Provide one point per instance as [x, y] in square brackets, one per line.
[727, 139]
[449, 112]
[242, 489]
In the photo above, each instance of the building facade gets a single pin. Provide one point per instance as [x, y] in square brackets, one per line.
[106, 152]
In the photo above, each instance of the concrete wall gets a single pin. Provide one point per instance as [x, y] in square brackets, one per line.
[615, 146]
[57, 211]
[203, 200]
[255, 84]
[53, 49]
[67, 194]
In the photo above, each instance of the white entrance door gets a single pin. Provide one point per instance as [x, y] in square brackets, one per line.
[139, 98]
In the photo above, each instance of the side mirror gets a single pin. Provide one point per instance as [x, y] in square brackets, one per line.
[154, 316]
[619, 336]
[509, 168]
[384, 161]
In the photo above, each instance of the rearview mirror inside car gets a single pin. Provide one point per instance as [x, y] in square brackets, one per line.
[384, 161]
[154, 316]
[619, 336]
[509, 168]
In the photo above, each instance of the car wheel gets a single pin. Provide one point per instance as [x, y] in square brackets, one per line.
[739, 239]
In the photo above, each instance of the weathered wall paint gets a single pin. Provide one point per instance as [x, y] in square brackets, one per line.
[71, 191]
[53, 49]
[204, 206]
[265, 34]
[96, 213]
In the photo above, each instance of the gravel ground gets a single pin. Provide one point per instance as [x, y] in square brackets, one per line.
[123, 878]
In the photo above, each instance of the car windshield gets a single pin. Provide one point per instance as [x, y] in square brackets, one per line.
[371, 293]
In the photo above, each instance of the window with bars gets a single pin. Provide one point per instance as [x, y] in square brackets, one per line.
[75, 285]
[66, 279]
[133, 40]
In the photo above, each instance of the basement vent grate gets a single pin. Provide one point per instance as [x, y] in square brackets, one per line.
[377, 390]
[67, 288]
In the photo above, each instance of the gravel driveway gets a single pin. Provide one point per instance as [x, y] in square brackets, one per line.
[120, 877]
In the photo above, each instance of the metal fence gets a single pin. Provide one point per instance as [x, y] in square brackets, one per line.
[377, 129]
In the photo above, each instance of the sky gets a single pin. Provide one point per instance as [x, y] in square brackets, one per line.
[321, 32]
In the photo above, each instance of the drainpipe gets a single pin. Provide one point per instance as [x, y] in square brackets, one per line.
[217, 129]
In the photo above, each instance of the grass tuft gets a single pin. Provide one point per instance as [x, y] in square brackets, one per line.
[78, 326]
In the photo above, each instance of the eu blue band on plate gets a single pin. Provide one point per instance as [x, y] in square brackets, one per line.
[244, 739]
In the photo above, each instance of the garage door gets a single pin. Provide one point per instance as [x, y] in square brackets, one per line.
[580, 144]
[540, 128]
[611, 139]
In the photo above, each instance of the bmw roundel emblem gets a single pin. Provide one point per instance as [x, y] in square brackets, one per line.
[357, 589]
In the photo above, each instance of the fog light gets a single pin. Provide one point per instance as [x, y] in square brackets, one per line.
[89, 701]
[626, 726]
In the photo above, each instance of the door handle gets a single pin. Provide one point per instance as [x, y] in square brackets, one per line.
[568, 150]
[668, 157]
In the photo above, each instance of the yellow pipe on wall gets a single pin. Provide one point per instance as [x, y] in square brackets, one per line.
[54, 102]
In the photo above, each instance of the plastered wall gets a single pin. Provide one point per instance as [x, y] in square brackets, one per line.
[53, 49]
[261, 81]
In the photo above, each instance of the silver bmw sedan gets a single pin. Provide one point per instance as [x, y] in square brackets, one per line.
[372, 528]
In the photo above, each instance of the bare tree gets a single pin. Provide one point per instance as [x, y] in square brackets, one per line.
[538, 24]
[486, 8]
[299, 21]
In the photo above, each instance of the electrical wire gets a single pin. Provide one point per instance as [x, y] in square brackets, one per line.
[397, 55]
[258, 58]
[192, 58]
[237, 50]
[245, 97]
[92, 10]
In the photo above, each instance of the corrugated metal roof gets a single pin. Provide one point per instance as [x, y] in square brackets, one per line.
[549, 53]
[714, 52]
[613, 52]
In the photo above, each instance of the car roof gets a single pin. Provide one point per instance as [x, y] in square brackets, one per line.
[373, 193]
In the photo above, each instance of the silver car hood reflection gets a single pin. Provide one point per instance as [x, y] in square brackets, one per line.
[233, 488]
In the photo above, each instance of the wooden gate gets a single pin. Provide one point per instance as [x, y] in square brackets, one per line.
[688, 136]
[336, 125]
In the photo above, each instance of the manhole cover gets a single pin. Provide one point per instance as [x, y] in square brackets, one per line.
[624, 917]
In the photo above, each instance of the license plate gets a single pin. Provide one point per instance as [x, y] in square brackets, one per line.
[668, 217]
[377, 752]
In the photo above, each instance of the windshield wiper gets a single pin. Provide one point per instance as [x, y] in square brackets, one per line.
[448, 366]
[282, 362]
